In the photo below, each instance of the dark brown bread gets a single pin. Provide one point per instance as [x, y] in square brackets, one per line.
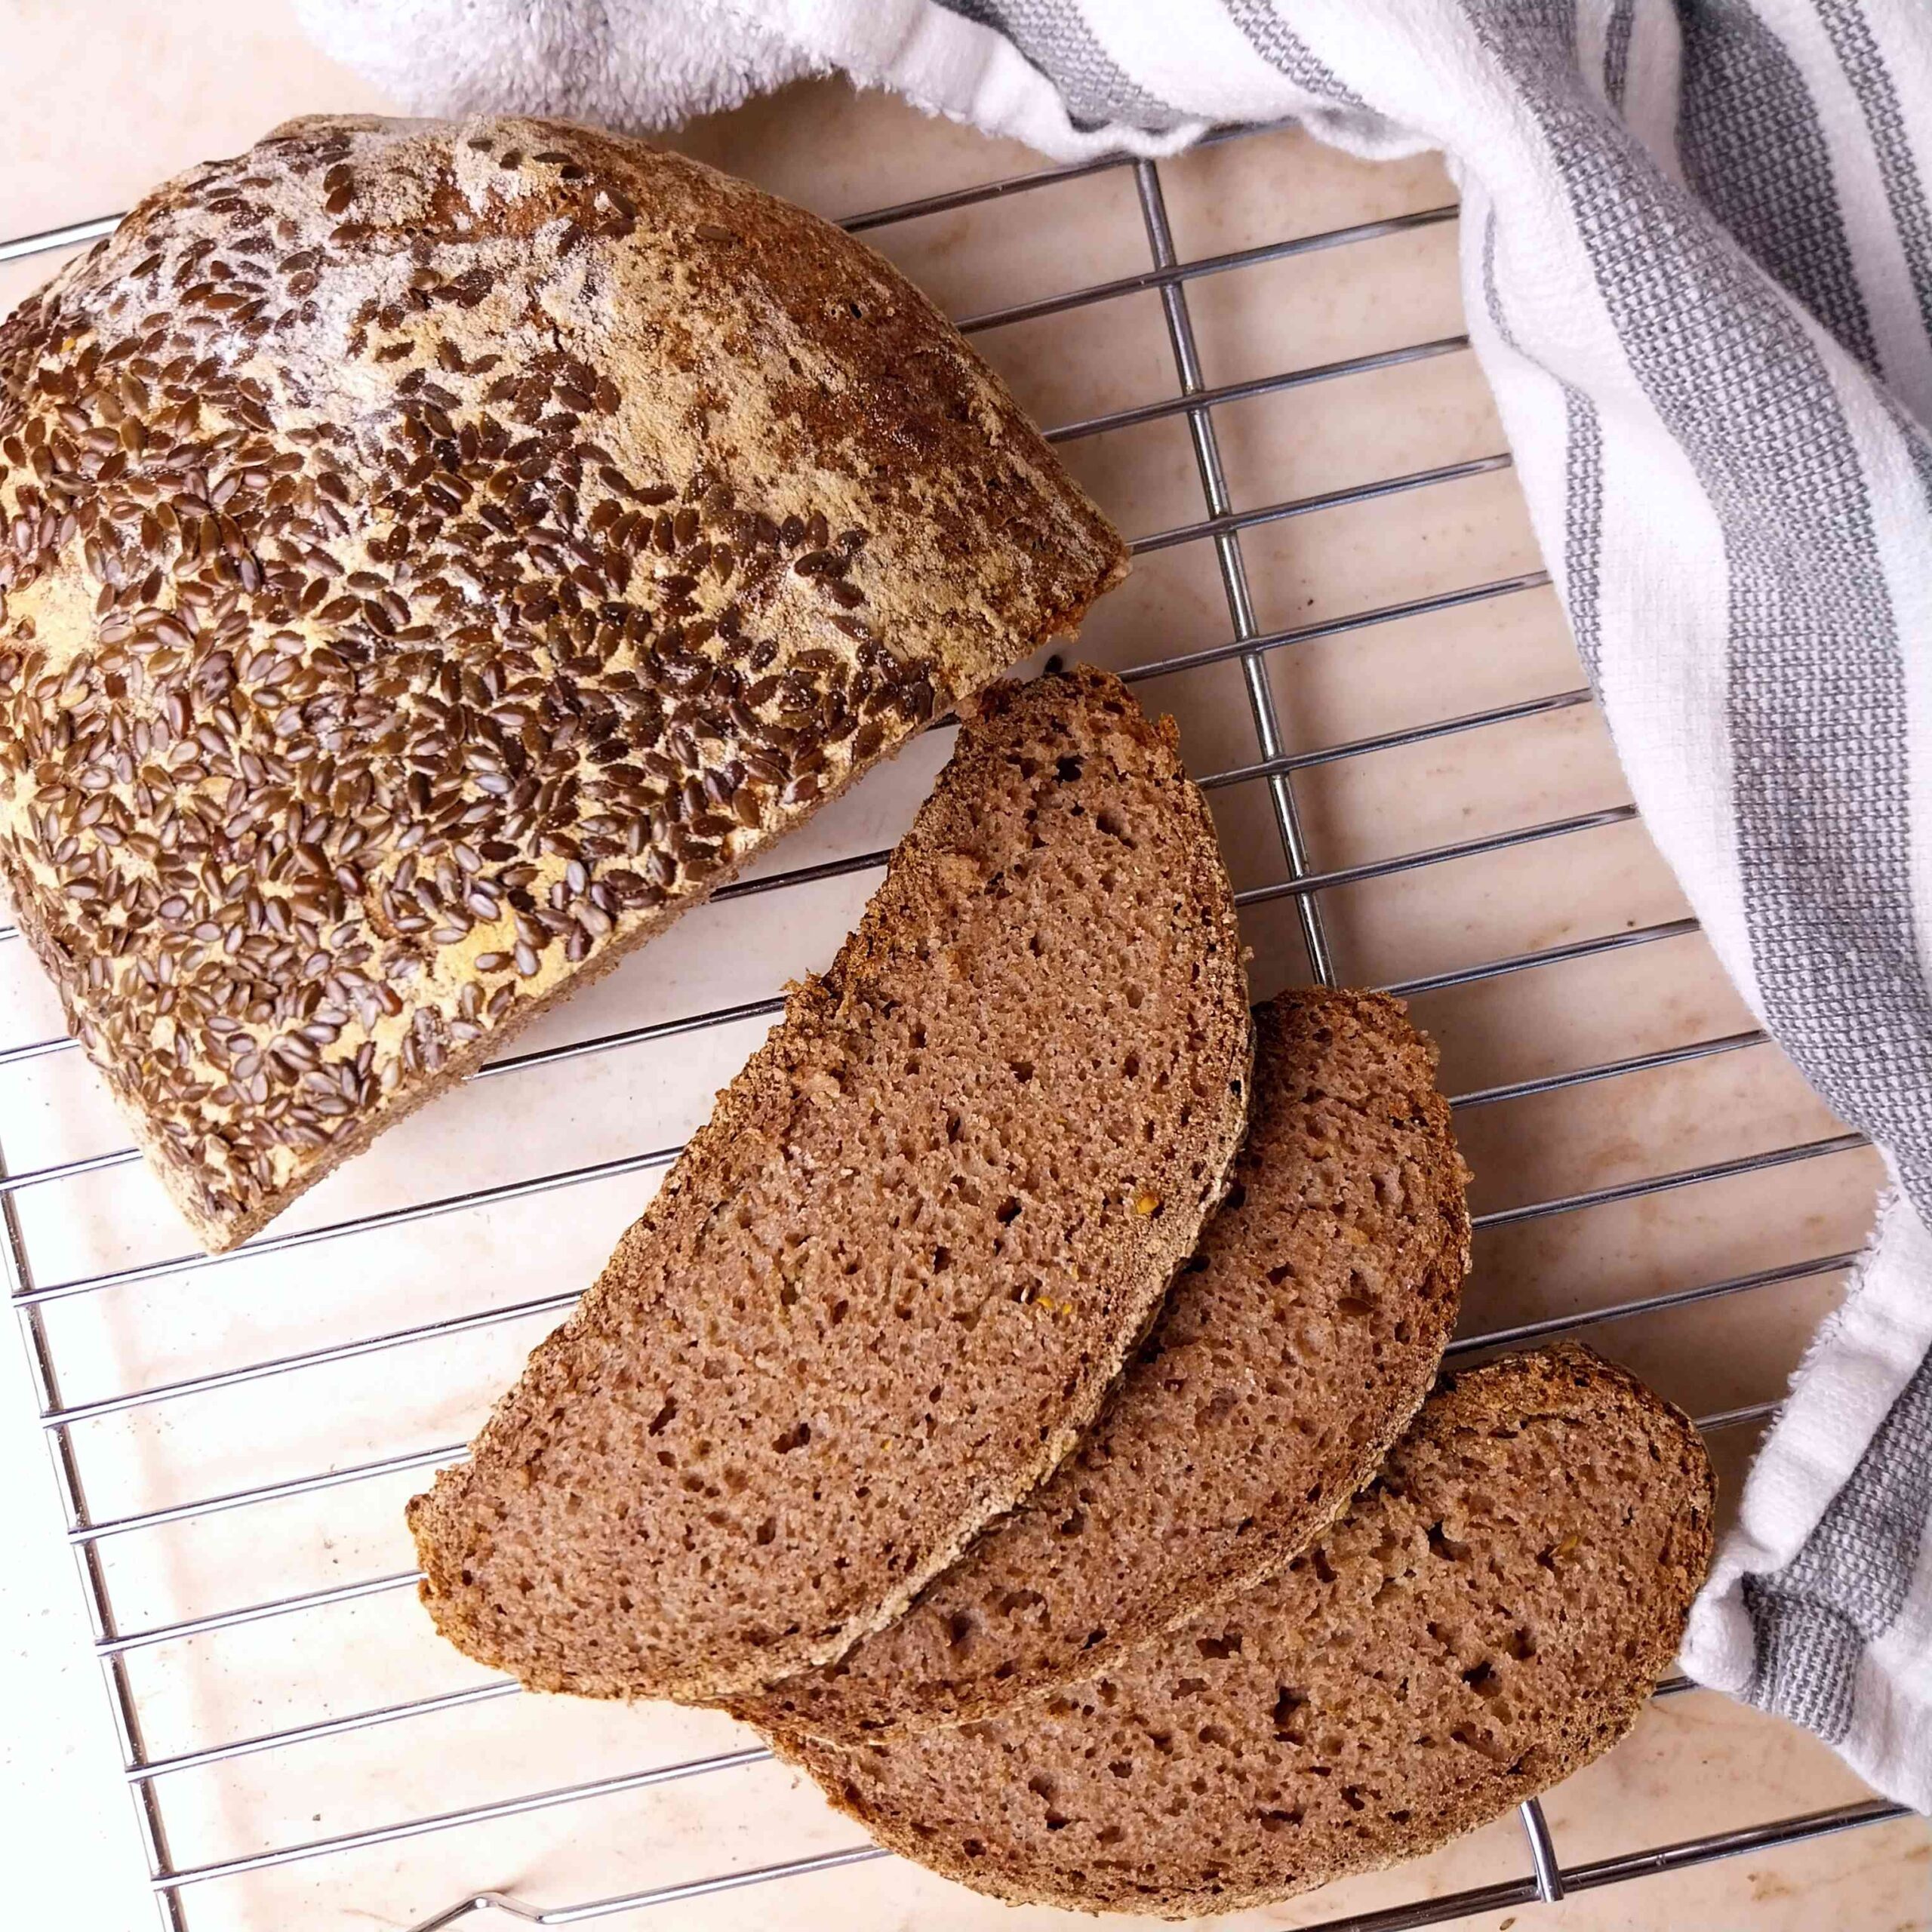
[1487, 1618]
[1295, 1347]
[434, 555]
[886, 1288]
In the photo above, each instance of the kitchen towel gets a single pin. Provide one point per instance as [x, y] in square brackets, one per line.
[1696, 254]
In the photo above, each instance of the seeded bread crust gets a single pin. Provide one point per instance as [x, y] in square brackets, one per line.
[1488, 1618]
[1294, 1348]
[434, 555]
[886, 1288]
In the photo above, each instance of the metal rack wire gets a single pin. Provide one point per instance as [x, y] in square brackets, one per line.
[1250, 647]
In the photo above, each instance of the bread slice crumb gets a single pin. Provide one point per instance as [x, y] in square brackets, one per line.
[1487, 1618]
[885, 1290]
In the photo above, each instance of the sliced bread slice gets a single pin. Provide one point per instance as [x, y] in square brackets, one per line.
[1487, 1618]
[886, 1288]
[1294, 1348]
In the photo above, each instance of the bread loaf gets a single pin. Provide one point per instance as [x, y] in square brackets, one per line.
[434, 555]
[1294, 1348]
[885, 1289]
[1488, 1616]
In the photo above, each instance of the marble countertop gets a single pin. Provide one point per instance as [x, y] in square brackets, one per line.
[163, 87]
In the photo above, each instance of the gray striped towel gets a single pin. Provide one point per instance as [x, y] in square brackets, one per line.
[1697, 258]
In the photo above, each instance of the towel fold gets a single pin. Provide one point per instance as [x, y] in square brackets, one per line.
[1696, 254]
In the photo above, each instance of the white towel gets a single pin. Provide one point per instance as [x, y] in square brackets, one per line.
[621, 63]
[1697, 258]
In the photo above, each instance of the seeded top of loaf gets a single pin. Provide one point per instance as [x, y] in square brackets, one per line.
[431, 556]
[1485, 1619]
[1294, 1348]
[886, 1287]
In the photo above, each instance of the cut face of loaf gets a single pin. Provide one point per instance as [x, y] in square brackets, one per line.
[1487, 1617]
[1294, 1348]
[886, 1288]
[432, 556]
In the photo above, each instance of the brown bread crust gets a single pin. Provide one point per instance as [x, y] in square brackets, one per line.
[1293, 1349]
[433, 556]
[886, 1287]
[1488, 1618]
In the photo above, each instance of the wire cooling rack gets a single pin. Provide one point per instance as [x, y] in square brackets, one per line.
[124, 1633]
